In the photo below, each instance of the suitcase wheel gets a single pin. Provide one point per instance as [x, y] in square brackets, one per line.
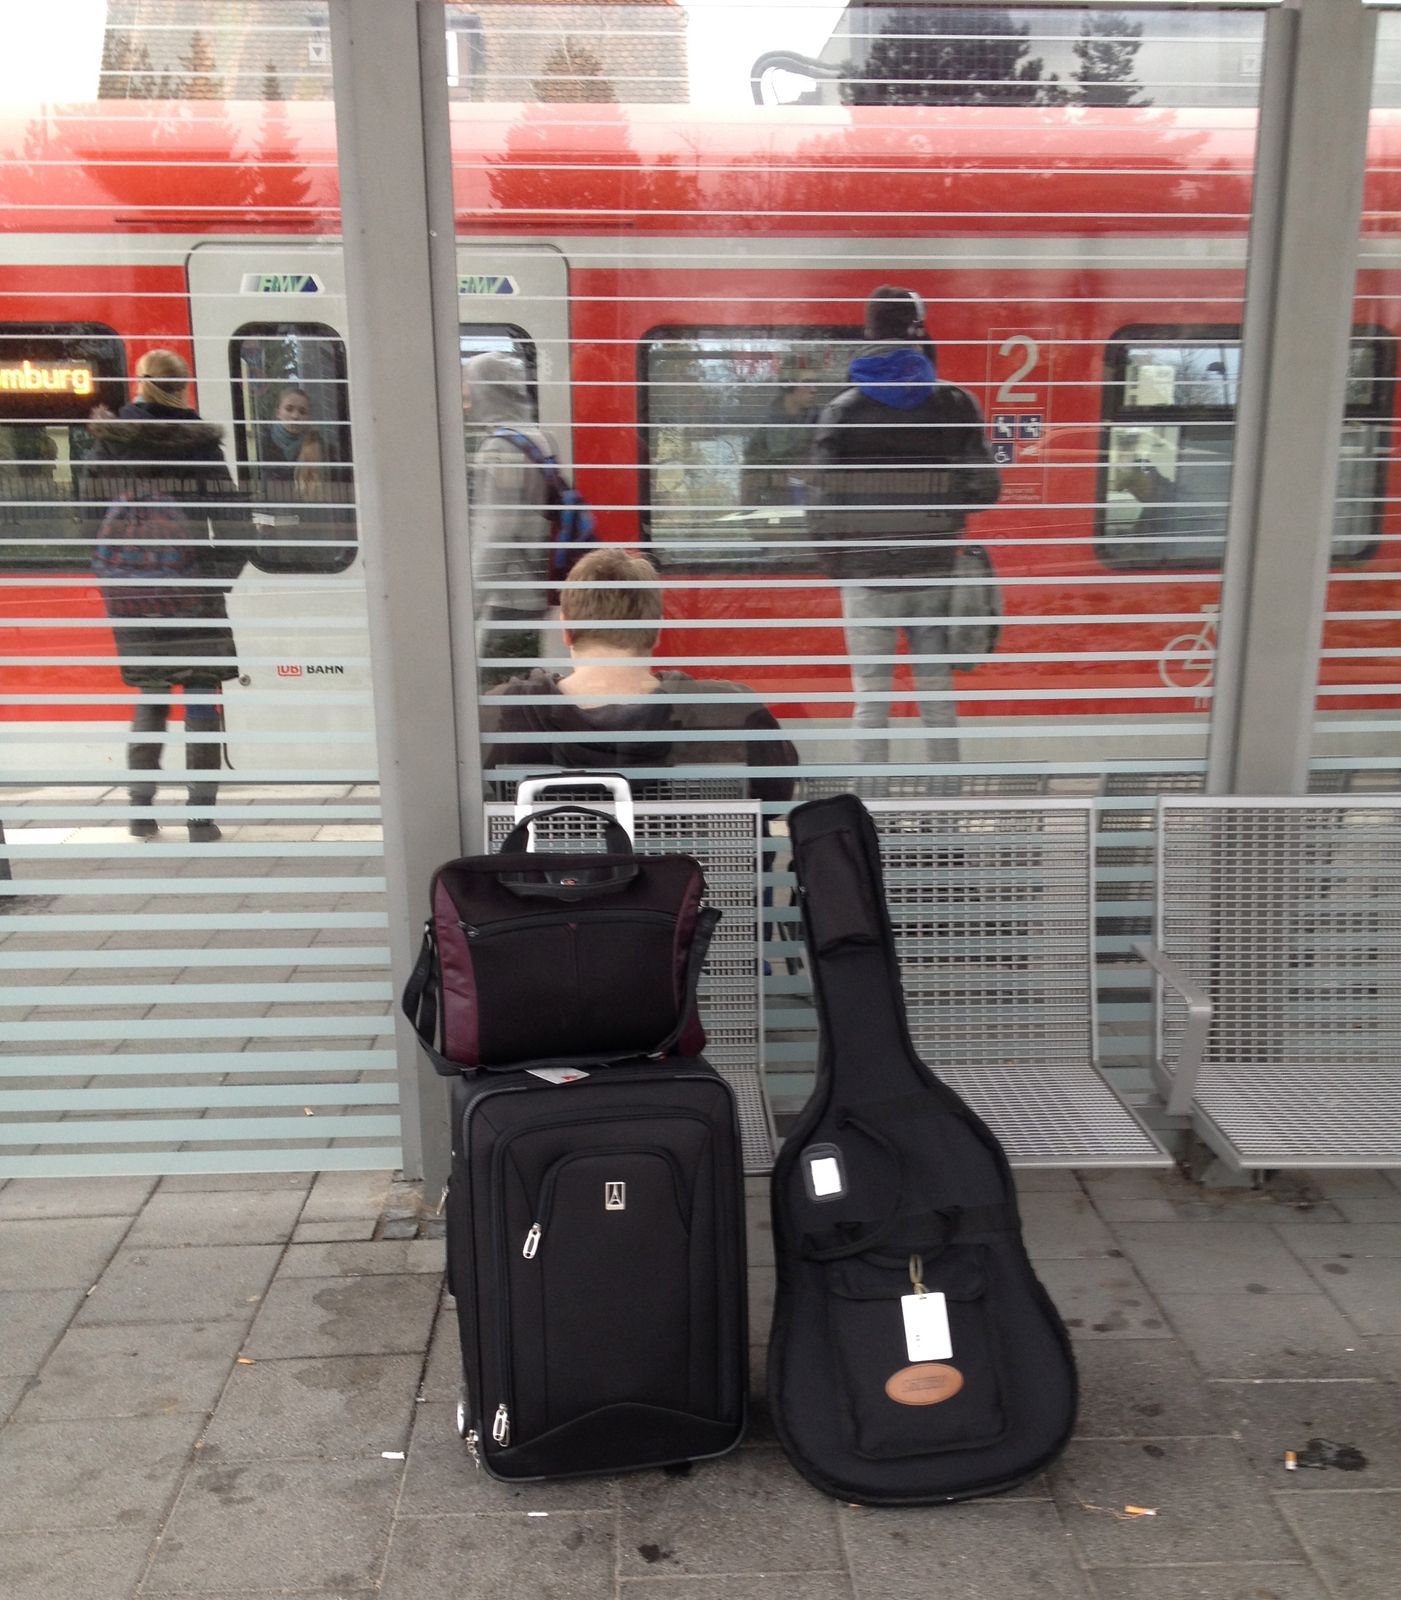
[464, 1420]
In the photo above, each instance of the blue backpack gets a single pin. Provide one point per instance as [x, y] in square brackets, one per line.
[150, 541]
[571, 522]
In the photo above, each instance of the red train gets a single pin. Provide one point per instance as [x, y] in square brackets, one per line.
[663, 272]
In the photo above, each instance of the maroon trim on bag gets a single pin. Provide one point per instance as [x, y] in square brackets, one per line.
[461, 1015]
[692, 1039]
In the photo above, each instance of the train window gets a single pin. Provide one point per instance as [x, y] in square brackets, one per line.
[52, 374]
[727, 422]
[502, 339]
[1168, 448]
[292, 435]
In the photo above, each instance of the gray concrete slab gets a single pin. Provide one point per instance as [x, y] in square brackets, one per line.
[192, 1283]
[767, 1586]
[251, 1216]
[372, 1316]
[443, 1481]
[38, 1198]
[337, 1407]
[1102, 1297]
[363, 1260]
[86, 1564]
[337, 1195]
[1258, 1581]
[11, 1391]
[748, 1512]
[442, 1377]
[63, 1253]
[1270, 1418]
[278, 1525]
[1343, 1243]
[1268, 1336]
[1142, 1388]
[557, 1557]
[134, 1370]
[31, 1323]
[347, 1230]
[1210, 1504]
[1062, 1225]
[1230, 1258]
[1351, 1540]
[114, 1472]
[1367, 1289]
[1009, 1550]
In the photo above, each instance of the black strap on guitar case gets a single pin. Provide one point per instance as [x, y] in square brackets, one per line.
[915, 1358]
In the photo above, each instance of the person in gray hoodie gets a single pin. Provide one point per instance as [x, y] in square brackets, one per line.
[508, 526]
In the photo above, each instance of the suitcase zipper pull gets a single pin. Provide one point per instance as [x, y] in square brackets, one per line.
[471, 1440]
[532, 1242]
[501, 1426]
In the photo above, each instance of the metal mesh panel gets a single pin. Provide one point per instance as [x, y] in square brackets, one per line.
[993, 921]
[724, 839]
[1289, 915]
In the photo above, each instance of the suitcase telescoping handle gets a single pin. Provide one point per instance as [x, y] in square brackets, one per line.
[527, 797]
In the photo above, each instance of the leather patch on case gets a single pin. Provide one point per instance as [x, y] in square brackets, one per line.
[924, 1384]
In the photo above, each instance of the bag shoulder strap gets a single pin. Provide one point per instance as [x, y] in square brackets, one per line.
[420, 1006]
[524, 443]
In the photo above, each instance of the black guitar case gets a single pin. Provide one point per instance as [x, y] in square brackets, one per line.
[915, 1359]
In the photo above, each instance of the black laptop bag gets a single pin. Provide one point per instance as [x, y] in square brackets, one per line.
[915, 1358]
[595, 1242]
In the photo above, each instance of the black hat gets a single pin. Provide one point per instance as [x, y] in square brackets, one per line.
[895, 314]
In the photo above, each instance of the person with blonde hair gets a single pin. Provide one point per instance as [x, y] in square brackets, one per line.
[164, 509]
[611, 611]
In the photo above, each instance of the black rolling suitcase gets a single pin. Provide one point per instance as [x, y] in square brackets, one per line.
[915, 1358]
[595, 1207]
[595, 1238]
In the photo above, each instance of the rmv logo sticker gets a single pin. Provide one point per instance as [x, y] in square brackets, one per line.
[486, 283]
[282, 283]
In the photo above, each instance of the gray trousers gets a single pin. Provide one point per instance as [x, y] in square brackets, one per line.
[152, 715]
[875, 619]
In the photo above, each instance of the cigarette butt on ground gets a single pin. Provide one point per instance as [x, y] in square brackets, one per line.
[1291, 1461]
[1140, 1511]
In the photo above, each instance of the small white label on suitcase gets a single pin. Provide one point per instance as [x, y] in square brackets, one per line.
[557, 1074]
[926, 1327]
[826, 1176]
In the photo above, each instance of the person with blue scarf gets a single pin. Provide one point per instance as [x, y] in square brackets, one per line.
[899, 460]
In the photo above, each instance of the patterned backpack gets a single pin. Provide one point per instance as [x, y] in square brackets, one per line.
[146, 544]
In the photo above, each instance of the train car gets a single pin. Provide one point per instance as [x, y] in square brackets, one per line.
[664, 273]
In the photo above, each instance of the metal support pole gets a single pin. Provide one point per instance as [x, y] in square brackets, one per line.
[390, 87]
[1300, 286]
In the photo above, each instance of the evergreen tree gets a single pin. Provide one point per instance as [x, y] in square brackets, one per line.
[200, 66]
[964, 56]
[114, 78]
[1106, 49]
[573, 74]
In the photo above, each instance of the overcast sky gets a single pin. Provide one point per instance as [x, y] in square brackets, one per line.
[50, 49]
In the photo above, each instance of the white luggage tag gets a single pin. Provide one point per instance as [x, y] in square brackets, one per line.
[557, 1074]
[926, 1315]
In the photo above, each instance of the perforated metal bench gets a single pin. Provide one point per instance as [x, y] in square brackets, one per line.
[993, 906]
[1278, 964]
[724, 837]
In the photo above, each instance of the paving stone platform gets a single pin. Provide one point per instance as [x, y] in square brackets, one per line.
[229, 1387]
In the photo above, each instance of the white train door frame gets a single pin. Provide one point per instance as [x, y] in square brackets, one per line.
[303, 699]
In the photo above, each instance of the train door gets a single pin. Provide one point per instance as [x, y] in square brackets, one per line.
[269, 324]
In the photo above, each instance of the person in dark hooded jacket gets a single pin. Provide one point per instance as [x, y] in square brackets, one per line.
[158, 456]
[899, 461]
[611, 608]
